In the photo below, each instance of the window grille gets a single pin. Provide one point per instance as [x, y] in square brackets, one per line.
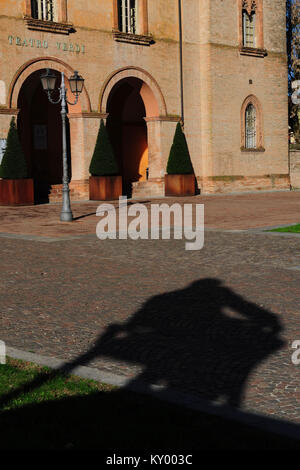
[128, 16]
[42, 10]
[250, 123]
[249, 29]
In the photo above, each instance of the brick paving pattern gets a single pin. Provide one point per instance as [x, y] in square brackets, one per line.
[241, 211]
[218, 323]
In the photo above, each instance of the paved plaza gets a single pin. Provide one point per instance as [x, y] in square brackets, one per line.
[230, 212]
[218, 323]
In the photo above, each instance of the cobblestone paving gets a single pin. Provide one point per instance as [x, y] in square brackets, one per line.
[239, 211]
[219, 322]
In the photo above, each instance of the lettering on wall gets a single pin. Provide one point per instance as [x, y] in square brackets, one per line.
[39, 44]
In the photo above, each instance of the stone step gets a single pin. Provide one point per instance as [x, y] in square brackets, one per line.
[149, 188]
[78, 192]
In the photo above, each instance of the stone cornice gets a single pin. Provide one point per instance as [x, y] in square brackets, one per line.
[259, 149]
[9, 111]
[133, 38]
[253, 51]
[87, 115]
[48, 26]
[163, 118]
[270, 53]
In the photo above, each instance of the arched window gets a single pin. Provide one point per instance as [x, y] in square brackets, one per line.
[43, 10]
[250, 127]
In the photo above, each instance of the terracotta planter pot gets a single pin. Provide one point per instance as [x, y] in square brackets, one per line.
[105, 188]
[19, 192]
[180, 185]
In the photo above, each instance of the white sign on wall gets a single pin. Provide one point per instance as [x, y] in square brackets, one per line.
[2, 148]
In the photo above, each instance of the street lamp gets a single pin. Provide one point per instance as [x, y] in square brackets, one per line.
[48, 80]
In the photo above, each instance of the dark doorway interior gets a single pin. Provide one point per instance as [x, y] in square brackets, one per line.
[40, 129]
[128, 131]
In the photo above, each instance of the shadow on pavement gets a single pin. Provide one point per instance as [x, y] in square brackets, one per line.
[204, 339]
[84, 216]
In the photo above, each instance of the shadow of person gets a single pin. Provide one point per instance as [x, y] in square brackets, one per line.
[203, 339]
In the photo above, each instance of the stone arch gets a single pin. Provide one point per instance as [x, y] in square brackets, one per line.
[151, 93]
[76, 113]
[252, 99]
[42, 63]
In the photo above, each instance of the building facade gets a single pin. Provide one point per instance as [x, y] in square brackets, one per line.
[219, 66]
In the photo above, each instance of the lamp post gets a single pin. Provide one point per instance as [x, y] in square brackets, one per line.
[48, 80]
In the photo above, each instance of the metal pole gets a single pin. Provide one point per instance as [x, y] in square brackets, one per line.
[181, 60]
[66, 213]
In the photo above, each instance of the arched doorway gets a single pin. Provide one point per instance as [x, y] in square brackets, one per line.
[139, 126]
[128, 130]
[40, 128]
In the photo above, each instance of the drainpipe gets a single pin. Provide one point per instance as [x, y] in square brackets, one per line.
[181, 60]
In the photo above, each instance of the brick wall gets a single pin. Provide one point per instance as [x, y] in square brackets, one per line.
[216, 81]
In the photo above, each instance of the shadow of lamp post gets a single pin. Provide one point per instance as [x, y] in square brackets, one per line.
[76, 82]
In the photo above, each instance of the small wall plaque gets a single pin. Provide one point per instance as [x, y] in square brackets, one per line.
[2, 148]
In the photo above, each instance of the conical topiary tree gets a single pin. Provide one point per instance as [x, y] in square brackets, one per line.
[179, 162]
[103, 162]
[13, 165]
